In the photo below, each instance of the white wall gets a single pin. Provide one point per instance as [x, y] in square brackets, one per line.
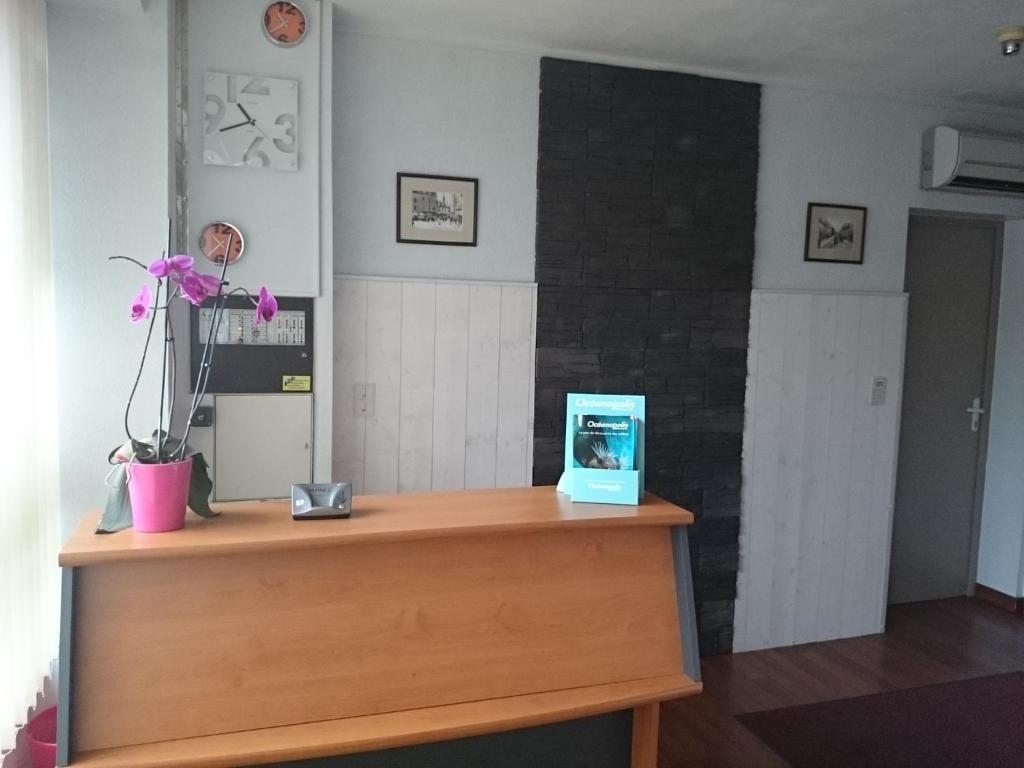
[419, 107]
[277, 211]
[109, 194]
[818, 147]
[284, 215]
[1001, 549]
[109, 141]
[856, 150]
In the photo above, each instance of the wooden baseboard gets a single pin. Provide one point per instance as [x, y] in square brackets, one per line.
[994, 597]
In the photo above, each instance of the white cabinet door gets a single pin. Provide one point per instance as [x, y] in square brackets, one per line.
[262, 445]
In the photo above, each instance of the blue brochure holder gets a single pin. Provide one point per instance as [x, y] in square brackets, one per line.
[619, 437]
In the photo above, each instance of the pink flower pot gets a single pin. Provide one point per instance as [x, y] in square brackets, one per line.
[41, 734]
[159, 495]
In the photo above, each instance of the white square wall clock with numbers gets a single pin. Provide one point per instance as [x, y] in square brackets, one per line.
[250, 121]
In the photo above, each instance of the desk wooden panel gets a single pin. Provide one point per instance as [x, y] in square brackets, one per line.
[253, 623]
[332, 633]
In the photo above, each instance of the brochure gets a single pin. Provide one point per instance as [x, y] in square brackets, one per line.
[604, 458]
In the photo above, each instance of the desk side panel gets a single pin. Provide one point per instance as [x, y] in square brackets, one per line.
[684, 598]
[67, 623]
[184, 648]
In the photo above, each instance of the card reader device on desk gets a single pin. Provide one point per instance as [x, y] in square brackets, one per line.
[320, 501]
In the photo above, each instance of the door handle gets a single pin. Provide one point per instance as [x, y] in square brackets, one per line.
[976, 412]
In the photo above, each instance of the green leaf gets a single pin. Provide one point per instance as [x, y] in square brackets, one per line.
[171, 443]
[171, 446]
[200, 487]
[117, 514]
[145, 451]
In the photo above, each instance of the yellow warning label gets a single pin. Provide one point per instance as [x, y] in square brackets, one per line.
[296, 383]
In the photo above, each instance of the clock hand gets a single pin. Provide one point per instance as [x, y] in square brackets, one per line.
[236, 125]
[252, 122]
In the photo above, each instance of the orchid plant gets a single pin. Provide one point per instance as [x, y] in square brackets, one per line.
[175, 278]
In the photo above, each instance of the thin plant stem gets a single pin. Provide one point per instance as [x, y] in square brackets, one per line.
[166, 374]
[160, 435]
[207, 358]
[173, 373]
[128, 258]
[204, 371]
[207, 364]
[242, 290]
[142, 363]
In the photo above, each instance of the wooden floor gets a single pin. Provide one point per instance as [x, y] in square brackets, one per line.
[924, 643]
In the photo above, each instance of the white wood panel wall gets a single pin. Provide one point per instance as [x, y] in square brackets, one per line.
[450, 366]
[818, 466]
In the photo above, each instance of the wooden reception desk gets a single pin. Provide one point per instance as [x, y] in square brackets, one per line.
[250, 638]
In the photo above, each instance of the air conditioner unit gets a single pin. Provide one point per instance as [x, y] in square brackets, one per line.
[970, 162]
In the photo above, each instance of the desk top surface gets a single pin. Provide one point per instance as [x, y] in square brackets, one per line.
[252, 526]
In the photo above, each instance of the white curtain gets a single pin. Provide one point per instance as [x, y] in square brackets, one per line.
[29, 593]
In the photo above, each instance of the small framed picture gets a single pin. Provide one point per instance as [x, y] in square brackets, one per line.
[439, 210]
[835, 233]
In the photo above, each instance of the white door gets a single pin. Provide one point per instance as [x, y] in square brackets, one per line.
[262, 445]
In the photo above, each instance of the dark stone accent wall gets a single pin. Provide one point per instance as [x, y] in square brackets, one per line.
[646, 188]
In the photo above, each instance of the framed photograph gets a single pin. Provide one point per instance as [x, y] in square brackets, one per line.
[835, 233]
[439, 210]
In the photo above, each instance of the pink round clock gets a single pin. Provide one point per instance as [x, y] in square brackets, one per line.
[214, 239]
[284, 23]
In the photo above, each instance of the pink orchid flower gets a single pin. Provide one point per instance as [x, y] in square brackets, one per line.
[175, 267]
[210, 282]
[266, 307]
[196, 287]
[140, 304]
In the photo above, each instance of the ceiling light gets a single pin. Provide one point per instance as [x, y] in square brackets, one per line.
[1010, 39]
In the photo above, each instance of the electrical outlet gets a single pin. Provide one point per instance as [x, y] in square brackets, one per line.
[363, 398]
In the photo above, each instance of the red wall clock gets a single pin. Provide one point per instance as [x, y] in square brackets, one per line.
[213, 242]
[284, 23]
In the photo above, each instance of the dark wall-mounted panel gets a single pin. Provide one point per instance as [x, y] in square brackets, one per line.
[251, 357]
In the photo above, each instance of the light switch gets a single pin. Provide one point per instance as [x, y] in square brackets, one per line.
[878, 387]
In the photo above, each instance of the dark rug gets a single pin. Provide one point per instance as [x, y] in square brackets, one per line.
[977, 722]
